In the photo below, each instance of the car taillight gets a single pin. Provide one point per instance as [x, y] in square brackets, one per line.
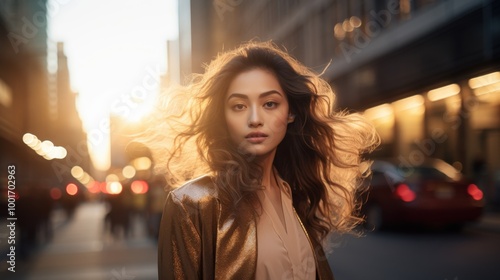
[405, 193]
[475, 192]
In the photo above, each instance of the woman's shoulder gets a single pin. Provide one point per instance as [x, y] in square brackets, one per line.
[196, 189]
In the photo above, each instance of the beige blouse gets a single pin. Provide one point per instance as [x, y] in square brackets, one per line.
[283, 250]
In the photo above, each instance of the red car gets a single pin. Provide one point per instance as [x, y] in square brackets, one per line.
[432, 193]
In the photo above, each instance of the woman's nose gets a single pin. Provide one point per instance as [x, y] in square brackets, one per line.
[254, 119]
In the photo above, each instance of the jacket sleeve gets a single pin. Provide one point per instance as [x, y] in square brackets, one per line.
[179, 242]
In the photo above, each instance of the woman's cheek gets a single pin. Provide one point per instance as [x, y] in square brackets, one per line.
[281, 124]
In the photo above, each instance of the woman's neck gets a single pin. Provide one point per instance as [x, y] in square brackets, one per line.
[268, 176]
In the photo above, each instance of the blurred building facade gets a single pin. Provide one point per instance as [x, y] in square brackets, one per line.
[35, 104]
[424, 71]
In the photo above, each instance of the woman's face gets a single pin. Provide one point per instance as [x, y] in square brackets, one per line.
[256, 112]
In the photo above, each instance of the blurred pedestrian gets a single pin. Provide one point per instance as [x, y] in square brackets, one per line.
[117, 219]
[156, 200]
[280, 169]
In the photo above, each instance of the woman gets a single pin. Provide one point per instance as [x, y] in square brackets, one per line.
[280, 170]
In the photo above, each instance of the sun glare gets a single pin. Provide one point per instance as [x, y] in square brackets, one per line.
[115, 59]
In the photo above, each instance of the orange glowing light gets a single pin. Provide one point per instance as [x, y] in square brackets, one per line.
[71, 189]
[139, 187]
[102, 187]
[94, 187]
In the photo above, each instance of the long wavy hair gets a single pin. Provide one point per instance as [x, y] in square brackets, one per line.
[321, 155]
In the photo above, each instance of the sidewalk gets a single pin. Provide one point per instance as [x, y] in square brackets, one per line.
[81, 248]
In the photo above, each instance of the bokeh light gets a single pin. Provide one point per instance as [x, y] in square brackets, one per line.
[71, 189]
[139, 187]
[128, 171]
[142, 163]
[114, 187]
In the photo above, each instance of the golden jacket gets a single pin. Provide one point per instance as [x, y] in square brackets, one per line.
[200, 238]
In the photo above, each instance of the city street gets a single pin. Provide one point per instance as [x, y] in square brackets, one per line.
[83, 249]
[427, 255]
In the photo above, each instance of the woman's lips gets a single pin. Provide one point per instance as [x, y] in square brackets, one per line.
[256, 137]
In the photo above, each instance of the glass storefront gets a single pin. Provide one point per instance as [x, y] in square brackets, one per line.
[458, 122]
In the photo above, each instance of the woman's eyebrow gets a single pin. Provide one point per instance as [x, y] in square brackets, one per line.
[271, 92]
[262, 95]
[237, 95]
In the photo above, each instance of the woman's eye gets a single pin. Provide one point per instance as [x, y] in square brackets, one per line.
[238, 107]
[270, 104]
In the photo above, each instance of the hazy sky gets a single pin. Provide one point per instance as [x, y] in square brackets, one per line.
[116, 50]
